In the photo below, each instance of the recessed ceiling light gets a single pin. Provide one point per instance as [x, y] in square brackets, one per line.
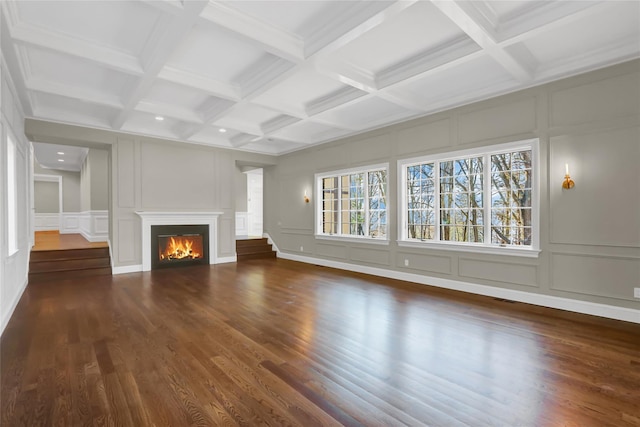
[61, 160]
[61, 153]
[222, 130]
[159, 118]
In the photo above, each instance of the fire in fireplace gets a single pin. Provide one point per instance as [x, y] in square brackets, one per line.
[178, 245]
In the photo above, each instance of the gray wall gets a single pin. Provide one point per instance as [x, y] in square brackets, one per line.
[590, 236]
[94, 181]
[45, 197]
[70, 187]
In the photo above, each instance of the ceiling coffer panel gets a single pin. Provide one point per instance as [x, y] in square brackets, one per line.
[277, 76]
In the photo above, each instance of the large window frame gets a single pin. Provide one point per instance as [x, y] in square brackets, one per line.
[341, 211]
[431, 238]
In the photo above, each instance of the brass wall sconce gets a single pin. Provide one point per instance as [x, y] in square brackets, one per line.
[306, 198]
[568, 182]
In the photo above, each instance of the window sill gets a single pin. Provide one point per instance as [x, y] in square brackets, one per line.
[479, 249]
[352, 239]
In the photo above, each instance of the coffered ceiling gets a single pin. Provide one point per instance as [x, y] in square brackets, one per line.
[278, 76]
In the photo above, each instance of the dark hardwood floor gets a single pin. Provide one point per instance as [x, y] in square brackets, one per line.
[273, 342]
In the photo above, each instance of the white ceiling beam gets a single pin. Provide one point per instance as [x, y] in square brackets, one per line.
[159, 52]
[359, 30]
[40, 37]
[333, 100]
[172, 7]
[255, 31]
[584, 10]
[73, 92]
[484, 39]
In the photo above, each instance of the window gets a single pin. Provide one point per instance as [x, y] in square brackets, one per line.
[12, 193]
[352, 203]
[475, 198]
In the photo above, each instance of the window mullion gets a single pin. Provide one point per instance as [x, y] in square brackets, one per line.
[339, 227]
[486, 188]
[366, 203]
[437, 200]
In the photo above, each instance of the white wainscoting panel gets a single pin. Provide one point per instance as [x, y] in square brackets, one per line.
[47, 221]
[94, 225]
[70, 223]
[242, 223]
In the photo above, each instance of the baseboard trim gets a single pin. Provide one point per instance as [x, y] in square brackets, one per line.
[94, 238]
[14, 304]
[138, 267]
[577, 306]
[126, 269]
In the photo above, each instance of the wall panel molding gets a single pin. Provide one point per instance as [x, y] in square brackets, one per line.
[496, 271]
[599, 275]
[46, 221]
[242, 223]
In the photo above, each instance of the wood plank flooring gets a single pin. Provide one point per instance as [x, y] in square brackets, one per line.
[274, 342]
[52, 240]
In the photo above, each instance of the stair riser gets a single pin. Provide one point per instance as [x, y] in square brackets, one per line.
[251, 242]
[69, 254]
[62, 275]
[264, 255]
[69, 264]
[254, 250]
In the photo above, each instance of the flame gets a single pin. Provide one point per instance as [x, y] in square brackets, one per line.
[179, 247]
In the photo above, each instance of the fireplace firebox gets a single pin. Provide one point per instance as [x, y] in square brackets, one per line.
[179, 245]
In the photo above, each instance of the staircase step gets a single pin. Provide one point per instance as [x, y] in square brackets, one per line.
[62, 254]
[60, 264]
[68, 274]
[251, 242]
[260, 255]
[254, 248]
[68, 264]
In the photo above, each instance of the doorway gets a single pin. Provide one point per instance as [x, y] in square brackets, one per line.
[254, 202]
[47, 202]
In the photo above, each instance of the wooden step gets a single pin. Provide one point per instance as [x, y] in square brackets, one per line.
[252, 242]
[60, 254]
[62, 264]
[254, 248]
[68, 274]
[261, 255]
[68, 264]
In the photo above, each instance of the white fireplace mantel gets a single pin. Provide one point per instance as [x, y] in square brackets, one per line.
[150, 218]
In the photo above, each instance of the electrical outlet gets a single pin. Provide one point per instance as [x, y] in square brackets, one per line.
[301, 249]
[406, 263]
[636, 292]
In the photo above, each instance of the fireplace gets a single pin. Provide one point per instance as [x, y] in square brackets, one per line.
[154, 218]
[179, 245]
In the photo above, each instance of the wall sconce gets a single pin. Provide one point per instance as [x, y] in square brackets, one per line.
[306, 198]
[568, 182]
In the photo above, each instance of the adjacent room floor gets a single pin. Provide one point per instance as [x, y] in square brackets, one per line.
[274, 342]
